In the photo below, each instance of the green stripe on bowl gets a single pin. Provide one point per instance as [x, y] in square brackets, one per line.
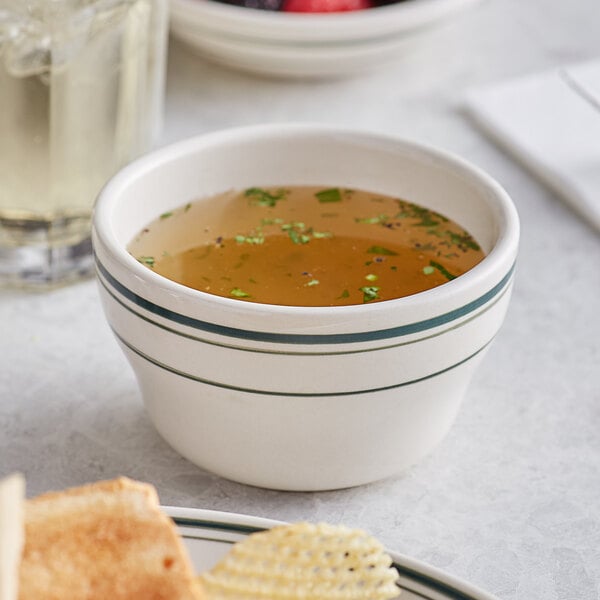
[238, 347]
[304, 339]
[292, 394]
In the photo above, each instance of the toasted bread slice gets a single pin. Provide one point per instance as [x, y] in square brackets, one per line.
[12, 495]
[104, 541]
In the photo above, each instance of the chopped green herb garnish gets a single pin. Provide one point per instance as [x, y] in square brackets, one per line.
[442, 270]
[312, 282]
[426, 216]
[428, 270]
[435, 231]
[426, 221]
[166, 215]
[381, 250]
[299, 225]
[394, 268]
[238, 293]
[264, 198]
[373, 220]
[370, 292]
[271, 221]
[297, 232]
[463, 239]
[322, 234]
[147, 260]
[298, 238]
[259, 238]
[187, 207]
[329, 195]
[344, 294]
[371, 277]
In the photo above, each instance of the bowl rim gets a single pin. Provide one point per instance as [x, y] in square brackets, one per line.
[499, 261]
[373, 23]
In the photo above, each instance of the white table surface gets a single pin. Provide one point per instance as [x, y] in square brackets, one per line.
[511, 499]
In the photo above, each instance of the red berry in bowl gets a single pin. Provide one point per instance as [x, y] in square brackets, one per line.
[324, 6]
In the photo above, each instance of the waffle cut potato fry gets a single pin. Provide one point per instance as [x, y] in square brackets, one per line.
[304, 561]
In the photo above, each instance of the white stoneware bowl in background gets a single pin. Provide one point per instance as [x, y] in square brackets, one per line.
[303, 398]
[302, 44]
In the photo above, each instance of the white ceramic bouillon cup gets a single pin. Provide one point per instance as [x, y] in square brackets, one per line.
[303, 398]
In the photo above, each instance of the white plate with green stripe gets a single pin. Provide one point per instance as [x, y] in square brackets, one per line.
[210, 534]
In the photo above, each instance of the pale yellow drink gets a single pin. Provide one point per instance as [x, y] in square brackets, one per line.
[80, 96]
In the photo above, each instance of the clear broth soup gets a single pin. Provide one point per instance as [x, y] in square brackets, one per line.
[306, 246]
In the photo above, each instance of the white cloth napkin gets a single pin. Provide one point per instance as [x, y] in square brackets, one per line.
[551, 123]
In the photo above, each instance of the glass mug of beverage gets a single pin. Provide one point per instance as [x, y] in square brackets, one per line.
[81, 90]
